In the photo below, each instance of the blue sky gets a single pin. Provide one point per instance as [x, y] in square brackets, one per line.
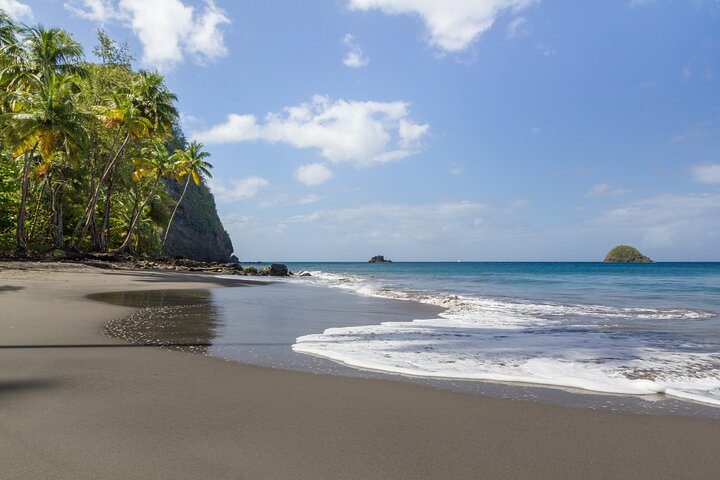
[425, 130]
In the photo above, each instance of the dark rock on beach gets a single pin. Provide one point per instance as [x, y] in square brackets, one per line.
[278, 270]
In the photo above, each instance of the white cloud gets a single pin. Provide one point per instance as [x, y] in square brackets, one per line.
[667, 219]
[354, 57]
[386, 222]
[452, 24]
[96, 10]
[707, 173]
[16, 10]
[363, 133]
[605, 190]
[536, 130]
[167, 29]
[686, 73]
[240, 189]
[313, 174]
[237, 128]
[310, 199]
[517, 28]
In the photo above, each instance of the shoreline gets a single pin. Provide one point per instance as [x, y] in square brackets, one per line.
[168, 319]
[72, 408]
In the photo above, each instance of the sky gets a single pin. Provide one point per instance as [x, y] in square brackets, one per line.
[487, 130]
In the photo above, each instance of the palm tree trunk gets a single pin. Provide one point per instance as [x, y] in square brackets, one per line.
[57, 216]
[92, 201]
[172, 217]
[38, 200]
[105, 228]
[136, 217]
[20, 233]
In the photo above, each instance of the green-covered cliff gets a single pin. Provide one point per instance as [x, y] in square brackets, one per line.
[197, 231]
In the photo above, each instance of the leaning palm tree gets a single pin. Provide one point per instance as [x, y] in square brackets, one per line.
[122, 114]
[38, 76]
[155, 164]
[192, 165]
[43, 118]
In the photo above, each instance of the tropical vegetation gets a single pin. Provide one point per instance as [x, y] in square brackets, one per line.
[86, 148]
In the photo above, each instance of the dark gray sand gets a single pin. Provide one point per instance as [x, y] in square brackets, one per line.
[75, 404]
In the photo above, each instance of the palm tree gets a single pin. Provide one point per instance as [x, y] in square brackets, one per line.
[154, 164]
[120, 113]
[155, 101]
[146, 106]
[43, 119]
[40, 85]
[191, 164]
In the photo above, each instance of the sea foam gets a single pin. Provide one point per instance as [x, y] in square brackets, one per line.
[508, 340]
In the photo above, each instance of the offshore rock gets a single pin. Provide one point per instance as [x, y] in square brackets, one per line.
[379, 259]
[626, 254]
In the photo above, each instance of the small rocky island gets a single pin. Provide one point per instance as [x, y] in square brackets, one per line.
[379, 259]
[626, 254]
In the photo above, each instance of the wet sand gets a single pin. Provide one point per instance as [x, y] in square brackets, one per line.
[77, 404]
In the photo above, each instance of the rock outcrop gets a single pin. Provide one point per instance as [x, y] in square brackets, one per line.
[197, 232]
[626, 254]
[278, 270]
[379, 259]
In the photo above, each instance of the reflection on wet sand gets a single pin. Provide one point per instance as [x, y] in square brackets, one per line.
[184, 320]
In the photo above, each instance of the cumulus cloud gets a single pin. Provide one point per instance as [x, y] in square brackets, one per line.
[362, 133]
[167, 29]
[313, 174]
[239, 189]
[452, 24]
[605, 190]
[17, 10]
[709, 173]
[354, 58]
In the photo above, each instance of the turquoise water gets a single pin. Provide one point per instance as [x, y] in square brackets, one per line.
[613, 328]
[688, 285]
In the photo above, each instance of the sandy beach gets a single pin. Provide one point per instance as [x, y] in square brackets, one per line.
[76, 404]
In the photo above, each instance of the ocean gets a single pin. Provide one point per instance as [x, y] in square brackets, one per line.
[632, 329]
[649, 333]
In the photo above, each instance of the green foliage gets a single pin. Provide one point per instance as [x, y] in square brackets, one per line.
[9, 200]
[626, 254]
[110, 52]
[85, 146]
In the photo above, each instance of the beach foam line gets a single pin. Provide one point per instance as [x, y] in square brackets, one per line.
[509, 340]
[583, 359]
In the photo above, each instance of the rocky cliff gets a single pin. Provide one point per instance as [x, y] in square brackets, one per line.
[197, 232]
